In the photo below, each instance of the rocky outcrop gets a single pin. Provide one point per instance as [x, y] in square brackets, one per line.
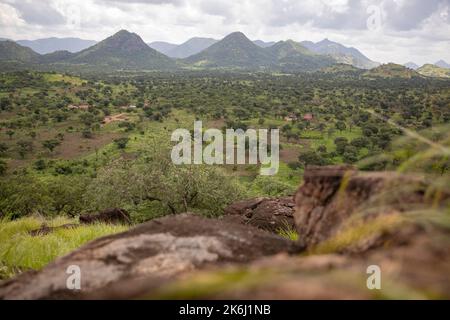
[156, 250]
[329, 196]
[347, 222]
[271, 214]
[114, 216]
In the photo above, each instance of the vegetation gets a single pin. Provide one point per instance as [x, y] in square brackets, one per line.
[75, 144]
[20, 251]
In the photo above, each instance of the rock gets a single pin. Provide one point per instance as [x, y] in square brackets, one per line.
[157, 250]
[45, 229]
[418, 270]
[114, 216]
[271, 214]
[331, 195]
[243, 207]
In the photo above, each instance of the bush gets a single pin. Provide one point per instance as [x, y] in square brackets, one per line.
[311, 157]
[3, 167]
[130, 184]
[268, 186]
[24, 194]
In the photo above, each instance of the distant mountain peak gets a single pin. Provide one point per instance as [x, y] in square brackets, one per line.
[433, 70]
[125, 41]
[236, 34]
[442, 64]
[124, 49]
[342, 54]
[235, 50]
[411, 65]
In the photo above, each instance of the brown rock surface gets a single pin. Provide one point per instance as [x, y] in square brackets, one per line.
[158, 249]
[331, 195]
[271, 214]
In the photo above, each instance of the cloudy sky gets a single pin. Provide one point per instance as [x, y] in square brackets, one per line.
[385, 30]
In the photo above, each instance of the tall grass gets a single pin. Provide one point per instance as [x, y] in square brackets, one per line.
[19, 251]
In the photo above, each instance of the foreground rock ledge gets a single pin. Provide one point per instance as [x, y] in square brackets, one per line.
[158, 250]
[271, 214]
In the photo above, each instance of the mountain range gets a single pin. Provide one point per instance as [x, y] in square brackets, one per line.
[184, 50]
[432, 70]
[442, 64]
[49, 45]
[341, 53]
[412, 65]
[125, 50]
[192, 46]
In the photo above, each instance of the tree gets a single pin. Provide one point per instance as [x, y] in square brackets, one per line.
[341, 143]
[341, 126]
[322, 149]
[24, 147]
[10, 133]
[122, 142]
[51, 144]
[87, 133]
[3, 167]
[3, 149]
[350, 154]
[5, 103]
[311, 157]
[40, 165]
[154, 179]
[360, 142]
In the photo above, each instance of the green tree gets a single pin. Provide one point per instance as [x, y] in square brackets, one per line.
[51, 144]
[24, 147]
[122, 142]
[3, 148]
[3, 167]
[341, 143]
[10, 133]
[311, 157]
[341, 126]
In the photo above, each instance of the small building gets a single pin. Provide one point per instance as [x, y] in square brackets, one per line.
[131, 106]
[78, 107]
[308, 117]
[291, 117]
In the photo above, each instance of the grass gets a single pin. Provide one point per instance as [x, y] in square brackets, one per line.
[357, 232]
[19, 251]
[288, 232]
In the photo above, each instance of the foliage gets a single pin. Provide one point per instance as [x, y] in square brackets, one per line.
[19, 251]
[154, 178]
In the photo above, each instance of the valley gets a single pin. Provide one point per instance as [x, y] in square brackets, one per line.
[86, 171]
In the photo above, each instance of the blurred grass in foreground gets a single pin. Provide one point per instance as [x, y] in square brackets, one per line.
[19, 251]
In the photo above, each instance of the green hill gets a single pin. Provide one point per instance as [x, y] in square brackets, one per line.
[234, 51]
[13, 52]
[431, 70]
[343, 69]
[54, 57]
[292, 56]
[392, 70]
[123, 50]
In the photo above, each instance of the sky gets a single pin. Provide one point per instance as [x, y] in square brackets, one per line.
[384, 30]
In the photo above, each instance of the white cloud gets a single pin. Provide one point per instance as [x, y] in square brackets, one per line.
[411, 30]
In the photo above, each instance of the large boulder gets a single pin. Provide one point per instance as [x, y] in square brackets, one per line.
[157, 250]
[271, 214]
